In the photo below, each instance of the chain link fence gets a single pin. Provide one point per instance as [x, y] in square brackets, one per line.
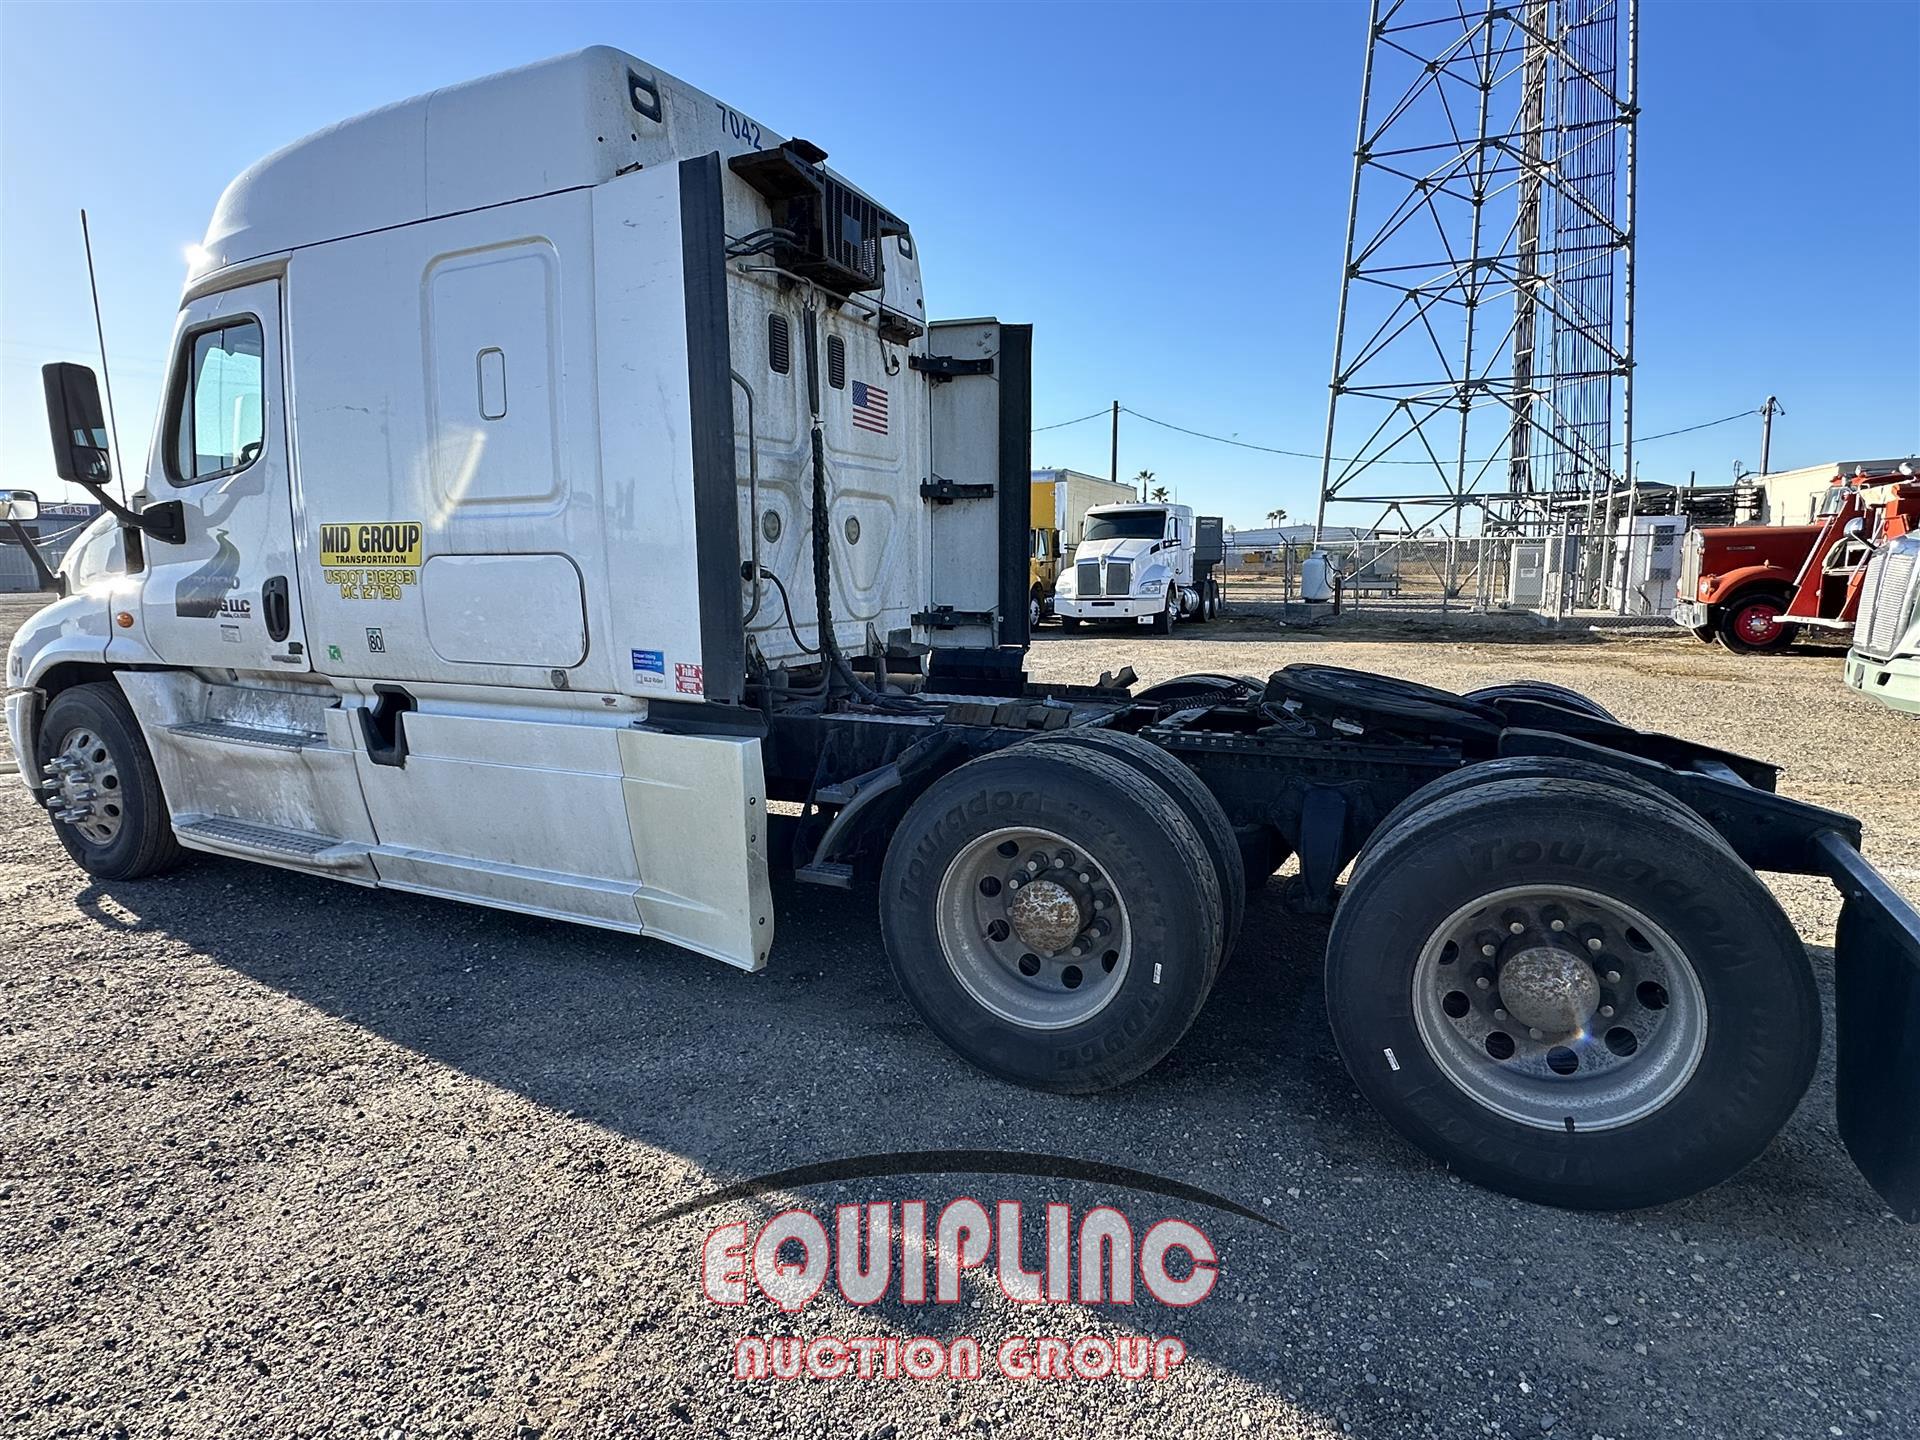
[1566, 574]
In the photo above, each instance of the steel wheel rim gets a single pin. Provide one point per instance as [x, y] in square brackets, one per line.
[1579, 1058]
[86, 786]
[1033, 928]
[1758, 622]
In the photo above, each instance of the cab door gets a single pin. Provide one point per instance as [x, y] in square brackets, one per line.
[227, 596]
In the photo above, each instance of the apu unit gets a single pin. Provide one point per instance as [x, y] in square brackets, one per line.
[822, 229]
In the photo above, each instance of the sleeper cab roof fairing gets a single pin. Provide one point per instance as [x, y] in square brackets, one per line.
[560, 124]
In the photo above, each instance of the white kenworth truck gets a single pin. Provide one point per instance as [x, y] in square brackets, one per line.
[1141, 563]
[556, 471]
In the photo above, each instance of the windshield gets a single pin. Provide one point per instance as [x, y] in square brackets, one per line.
[1127, 525]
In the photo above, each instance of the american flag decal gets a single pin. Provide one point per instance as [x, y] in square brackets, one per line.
[869, 407]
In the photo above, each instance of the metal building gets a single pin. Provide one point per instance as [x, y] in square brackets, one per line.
[59, 525]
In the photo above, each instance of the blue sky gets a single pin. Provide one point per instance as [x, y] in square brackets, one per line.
[1161, 191]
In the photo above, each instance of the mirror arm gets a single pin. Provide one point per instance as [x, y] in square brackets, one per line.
[48, 580]
[165, 522]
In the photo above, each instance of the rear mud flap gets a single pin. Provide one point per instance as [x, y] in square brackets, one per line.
[1876, 962]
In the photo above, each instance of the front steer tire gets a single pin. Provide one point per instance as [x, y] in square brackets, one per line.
[94, 724]
[942, 896]
[1701, 1112]
[1163, 622]
[1750, 624]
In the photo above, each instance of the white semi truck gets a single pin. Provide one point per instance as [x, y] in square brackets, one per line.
[1884, 660]
[557, 471]
[1136, 562]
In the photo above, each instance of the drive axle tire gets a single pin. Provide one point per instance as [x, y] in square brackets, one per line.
[1565, 992]
[1196, 802]
[1006, 866]
[1522, 767]
[105, 775]
[1751, 624]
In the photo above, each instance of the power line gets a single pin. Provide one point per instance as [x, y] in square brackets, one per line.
[1266, 449]
[1347, 459]
[1689, 429]
[1103, 410]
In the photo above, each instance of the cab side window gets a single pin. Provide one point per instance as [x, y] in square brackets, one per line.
[216, 420]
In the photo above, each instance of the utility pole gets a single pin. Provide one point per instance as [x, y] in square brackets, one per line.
[1772, 408]
[1114, 473]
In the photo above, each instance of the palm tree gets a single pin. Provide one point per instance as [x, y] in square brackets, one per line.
[1160, 493]
[1143, 479]
[1276, 518]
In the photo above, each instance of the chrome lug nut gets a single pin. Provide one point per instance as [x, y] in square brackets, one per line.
[1514, 927]
[1594, 945]
[1606, 1012]
[1613, 977]
[1488, 951]
[1484, 983]
[1557, 926]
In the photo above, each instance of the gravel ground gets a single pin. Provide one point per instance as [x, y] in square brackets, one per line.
[285, 1157]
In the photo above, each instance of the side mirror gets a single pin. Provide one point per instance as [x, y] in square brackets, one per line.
[20, 506]
[1856, 529]
[80, 453]
[78, 425]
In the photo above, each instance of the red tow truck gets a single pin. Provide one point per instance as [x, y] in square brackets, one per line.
[1752, 587]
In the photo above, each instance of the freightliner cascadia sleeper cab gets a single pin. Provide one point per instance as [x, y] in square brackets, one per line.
[556, 472]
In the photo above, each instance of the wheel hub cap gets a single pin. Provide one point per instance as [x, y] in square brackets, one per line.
[1559, 1007]
[1045, 915]
[1550, 990]
[83, 786]
[1033, 927]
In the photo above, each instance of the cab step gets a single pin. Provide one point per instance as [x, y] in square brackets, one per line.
[247, 840]
[226, 732]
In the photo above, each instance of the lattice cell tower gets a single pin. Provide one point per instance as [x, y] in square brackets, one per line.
[1483, 353]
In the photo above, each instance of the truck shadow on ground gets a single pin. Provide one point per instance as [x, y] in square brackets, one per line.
[819, 1059]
